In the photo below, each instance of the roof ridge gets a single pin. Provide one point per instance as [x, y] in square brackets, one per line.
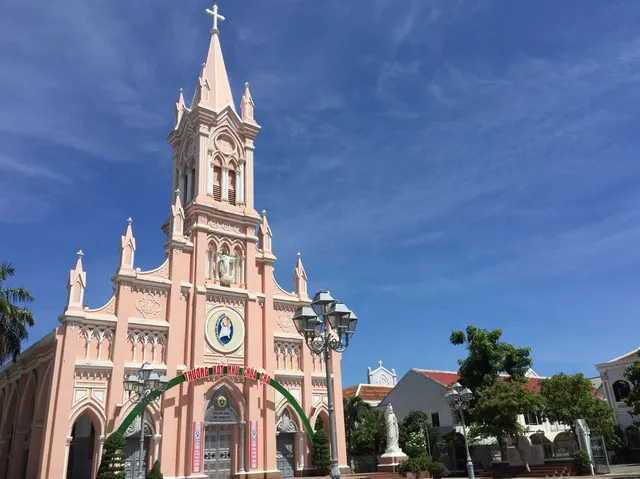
[635, 351]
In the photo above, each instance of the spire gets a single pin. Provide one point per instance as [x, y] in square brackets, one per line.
[179, 111]
[77, 284]
[127, 248]
[213, 90]
[264, 234]
[246, 104]
[300, 279]
[177, 217]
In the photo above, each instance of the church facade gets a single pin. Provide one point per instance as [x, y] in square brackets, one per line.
[212, 302]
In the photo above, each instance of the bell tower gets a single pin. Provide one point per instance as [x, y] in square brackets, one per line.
[213, 144]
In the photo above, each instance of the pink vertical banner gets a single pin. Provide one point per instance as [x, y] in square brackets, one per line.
[254, 444]
[196, 447]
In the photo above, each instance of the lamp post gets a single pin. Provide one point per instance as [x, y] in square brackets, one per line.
[141, 387]
[327, 326]
[458, 400]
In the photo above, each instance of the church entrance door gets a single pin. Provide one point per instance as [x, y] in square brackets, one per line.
[285, 457]
[217, 451]
[132, 453]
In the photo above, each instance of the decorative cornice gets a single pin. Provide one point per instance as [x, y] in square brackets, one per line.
[235, 297]
[148, 324]
[95, 319]
[144, 285]
[285, 304]
[618, 364]
[279, 336]
[137, 366]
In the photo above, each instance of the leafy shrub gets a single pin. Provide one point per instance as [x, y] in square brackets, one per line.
[112, 464]
[416, 464]
[437, 469]
[321, 459]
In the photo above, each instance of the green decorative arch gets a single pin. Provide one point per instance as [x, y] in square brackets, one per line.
[181, 378]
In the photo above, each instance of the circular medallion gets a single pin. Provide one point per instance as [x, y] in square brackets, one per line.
[222, 402]
[225, 330]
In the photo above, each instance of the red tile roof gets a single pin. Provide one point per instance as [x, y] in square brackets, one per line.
[349, 392]
[368, 392]
[447, 378]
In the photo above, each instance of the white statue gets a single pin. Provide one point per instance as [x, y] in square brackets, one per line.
[225, 266]
[392, 431]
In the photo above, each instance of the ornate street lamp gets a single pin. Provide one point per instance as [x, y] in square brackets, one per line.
[327, 326]
[141, 387]
[459, 400]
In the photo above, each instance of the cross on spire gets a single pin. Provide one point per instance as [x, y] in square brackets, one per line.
[216, 16]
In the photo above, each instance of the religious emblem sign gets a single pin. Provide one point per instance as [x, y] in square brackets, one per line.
[224, 330]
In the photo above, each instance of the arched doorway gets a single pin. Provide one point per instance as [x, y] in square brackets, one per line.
[286, 430]
[132, 449]
[219, 419]
[81, 448]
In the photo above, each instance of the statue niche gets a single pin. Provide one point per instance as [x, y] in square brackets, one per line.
[226, 267]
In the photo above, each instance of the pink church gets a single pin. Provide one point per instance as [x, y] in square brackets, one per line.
[212, 300]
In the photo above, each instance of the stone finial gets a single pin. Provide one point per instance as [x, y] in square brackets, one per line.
[77, 284]
[247, 105]
[264, 234]
[177, 216]
[127, 247]
[300, 279]
[179, 110]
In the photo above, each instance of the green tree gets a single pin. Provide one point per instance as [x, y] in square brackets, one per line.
[632, 374]
[14, 319]
[370, 437]
[354, 411]
[496, 413]
[488, 357]
[570, 397]
[416, 436]
[155, 473]
[321, 459]
[112, 464]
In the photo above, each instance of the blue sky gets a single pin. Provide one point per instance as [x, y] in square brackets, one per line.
[438, 163]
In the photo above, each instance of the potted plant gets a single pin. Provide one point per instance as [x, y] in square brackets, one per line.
[415, 467]
[437, 470]
[582, 462]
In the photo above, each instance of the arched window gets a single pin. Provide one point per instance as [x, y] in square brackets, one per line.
[232, 187]
[217, 183]
[211, 263]
[621, 390]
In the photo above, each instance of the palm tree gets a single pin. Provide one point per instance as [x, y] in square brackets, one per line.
[373, 426]
[14, 319]
[354, 411]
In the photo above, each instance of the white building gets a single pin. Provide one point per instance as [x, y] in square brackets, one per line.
[424, 390]
[616, 388]
[380, 382]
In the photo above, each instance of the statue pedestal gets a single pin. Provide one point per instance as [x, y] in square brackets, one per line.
[390, 461]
